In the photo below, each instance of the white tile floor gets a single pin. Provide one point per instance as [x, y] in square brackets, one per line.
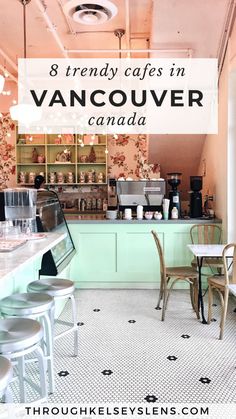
[126, 354]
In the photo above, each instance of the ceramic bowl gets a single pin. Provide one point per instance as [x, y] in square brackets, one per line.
[148, 215]
[157, 215]
[111, 214]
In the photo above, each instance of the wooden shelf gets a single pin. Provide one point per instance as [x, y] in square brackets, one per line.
[96, 164]
[45, 146]
[31, 164]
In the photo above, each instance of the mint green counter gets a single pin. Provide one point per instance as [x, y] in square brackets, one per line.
[122, 254]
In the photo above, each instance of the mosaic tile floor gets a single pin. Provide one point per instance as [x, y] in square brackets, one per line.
[126, 354]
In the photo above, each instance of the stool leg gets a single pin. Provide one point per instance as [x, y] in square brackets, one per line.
[42, 372]
[21, 371]
[49, 351]
[7, 396]
[74, 316]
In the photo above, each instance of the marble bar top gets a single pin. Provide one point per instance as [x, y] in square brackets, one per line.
[13, 261]
[77, 220]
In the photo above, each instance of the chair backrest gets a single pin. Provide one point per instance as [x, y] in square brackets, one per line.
[229, 259]
[206, 234]
[160, 253]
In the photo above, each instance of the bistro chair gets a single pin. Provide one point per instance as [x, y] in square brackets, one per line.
[223, 284]
[207, 234]
[170, 275]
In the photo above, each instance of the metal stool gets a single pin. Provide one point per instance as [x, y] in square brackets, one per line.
[39, 307]
[59, 289]
[5, 378]
[20, 337]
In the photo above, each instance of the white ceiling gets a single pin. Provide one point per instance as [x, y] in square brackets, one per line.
[169, 24]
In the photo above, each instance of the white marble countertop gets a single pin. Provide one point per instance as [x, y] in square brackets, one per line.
[207, 250]
[11, 262]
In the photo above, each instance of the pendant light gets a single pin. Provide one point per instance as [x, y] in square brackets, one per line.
[25, 113]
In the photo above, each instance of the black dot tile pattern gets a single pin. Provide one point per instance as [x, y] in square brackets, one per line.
[63, 373]
[107, 372]
[213, 320]
[150, 398]
[205, 380]
[131, 321]
[96, 310]
[172, 358]
[80, 324]
[123, 363]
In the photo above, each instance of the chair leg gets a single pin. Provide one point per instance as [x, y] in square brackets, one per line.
[191, 295]
[42, 372]
[7, 398]
[194, 297]
[210, 302]
[160, 294]
[165, 297]
[49, 351]
[74, 316]
[224, 312]
[21, 372]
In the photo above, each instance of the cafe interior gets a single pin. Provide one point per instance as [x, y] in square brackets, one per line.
[118, 251]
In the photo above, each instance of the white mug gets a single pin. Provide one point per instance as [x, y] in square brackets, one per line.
[128, 213]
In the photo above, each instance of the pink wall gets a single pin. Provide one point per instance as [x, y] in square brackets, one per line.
[214, 152]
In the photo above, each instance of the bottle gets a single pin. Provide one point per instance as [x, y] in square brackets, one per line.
[139, 212]
[82, 205]
[174, 213]
[104, 205]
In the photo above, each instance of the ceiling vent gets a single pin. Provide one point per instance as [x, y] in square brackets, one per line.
[91, 12]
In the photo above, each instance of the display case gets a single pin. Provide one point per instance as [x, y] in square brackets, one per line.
[50, 218]
[63, 159]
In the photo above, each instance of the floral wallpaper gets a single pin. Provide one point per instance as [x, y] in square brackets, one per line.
[128, 158]
[7, 150]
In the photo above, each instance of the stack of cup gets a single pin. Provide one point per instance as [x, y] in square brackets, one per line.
[128, 214]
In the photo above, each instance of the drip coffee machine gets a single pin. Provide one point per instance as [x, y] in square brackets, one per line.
[195, 196]
[174, 180]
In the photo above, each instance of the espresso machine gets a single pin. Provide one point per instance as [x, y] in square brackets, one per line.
[195, 196]
[174, 180]
[147, 193]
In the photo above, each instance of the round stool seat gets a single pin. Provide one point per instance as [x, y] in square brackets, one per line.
[19, 333]
[5, 373]
[54, 287]
[26, 304]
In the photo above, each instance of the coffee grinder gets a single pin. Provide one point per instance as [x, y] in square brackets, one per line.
[174, 180]
[195, 196]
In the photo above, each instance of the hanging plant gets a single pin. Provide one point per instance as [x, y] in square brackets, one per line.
[7, 150]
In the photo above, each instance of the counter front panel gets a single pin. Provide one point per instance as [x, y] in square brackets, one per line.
[123, 254]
